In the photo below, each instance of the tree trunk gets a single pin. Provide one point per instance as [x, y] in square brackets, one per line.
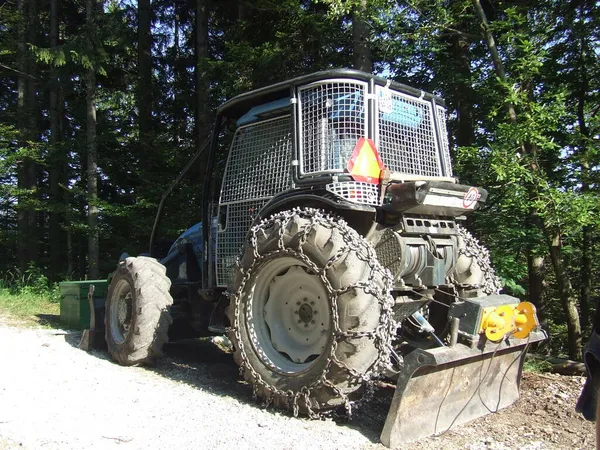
[587, 232]
[585, 299]
[567, 296]
[32, 115]
[459, 48]
[27, 246]
[22, 213]
[241, 10]
[202, 106]
[361, 38]
[92, 159]
[56, 162]
[178, 111]
[145, 83]
[536, 269]
[496, 60]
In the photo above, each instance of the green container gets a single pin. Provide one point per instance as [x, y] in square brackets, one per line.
[74, 303]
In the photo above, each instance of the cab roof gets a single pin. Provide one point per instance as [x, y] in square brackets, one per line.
[241, 104]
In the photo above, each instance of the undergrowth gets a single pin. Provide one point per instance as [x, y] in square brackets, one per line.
[28, 295]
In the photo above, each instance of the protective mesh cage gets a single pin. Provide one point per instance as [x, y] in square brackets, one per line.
[406, 134]
[257, 169]
[332, 119]
[231, 239]
[356, 192]
[259, 161]
[441, 115]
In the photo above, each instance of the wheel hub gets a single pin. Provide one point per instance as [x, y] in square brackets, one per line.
[291, 313]
[120, 313]
[306, 313]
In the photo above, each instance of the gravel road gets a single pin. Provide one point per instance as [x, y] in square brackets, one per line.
[56, 396]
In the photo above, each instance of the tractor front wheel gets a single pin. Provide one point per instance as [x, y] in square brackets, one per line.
[310, 312]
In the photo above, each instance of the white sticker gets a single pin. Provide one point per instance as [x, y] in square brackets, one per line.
[385, 101]
[470, 198]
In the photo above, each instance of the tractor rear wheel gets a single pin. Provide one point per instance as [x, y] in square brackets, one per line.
[137, 317]
[310, 312]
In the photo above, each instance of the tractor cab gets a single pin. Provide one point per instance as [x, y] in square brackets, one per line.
[336, 140]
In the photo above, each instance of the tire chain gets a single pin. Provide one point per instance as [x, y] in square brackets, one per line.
[382, 334]
[491, 284]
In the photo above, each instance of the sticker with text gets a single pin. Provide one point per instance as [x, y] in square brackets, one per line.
[471, 198]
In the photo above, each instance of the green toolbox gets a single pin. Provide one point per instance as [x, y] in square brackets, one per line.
[74, 302]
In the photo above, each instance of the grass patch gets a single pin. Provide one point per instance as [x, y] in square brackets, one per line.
[29, 307]
[28, 298]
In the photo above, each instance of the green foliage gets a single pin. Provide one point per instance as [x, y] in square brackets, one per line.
[536, 365]
[29, 283]
[27, 307]
[28, 295]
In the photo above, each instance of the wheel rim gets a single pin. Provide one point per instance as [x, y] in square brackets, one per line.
[288, 318]
[121, 312]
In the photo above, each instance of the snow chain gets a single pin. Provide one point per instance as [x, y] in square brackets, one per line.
[382, 334]
[490, 283]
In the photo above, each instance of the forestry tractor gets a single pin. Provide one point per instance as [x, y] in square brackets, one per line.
[331, 254]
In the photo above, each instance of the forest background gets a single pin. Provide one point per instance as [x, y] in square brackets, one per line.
[102, 103]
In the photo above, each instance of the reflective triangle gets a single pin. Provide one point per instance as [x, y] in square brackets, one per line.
[365, 164]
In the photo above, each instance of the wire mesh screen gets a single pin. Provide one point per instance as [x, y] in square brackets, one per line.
[259, 161]
[230, 240]
[332, 119]
[356, 192]
[257, 169]
[443, 132]
[406, 134]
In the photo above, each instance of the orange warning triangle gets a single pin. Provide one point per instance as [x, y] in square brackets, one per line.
[365, 164]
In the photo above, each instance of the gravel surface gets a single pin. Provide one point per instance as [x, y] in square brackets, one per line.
[56, 396]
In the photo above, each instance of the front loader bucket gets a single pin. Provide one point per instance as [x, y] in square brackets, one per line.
[443, 387]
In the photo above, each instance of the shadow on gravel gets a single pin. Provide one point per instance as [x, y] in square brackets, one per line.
[52, 320]
[203, 365]
[369, 418]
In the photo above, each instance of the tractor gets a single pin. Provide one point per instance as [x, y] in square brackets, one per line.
[331, 253]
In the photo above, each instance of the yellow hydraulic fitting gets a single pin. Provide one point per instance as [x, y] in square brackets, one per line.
[499, 322]
[525, 319]
[519, 320]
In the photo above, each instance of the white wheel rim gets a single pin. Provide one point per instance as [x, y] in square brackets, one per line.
[288, 318]
[120, 312]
